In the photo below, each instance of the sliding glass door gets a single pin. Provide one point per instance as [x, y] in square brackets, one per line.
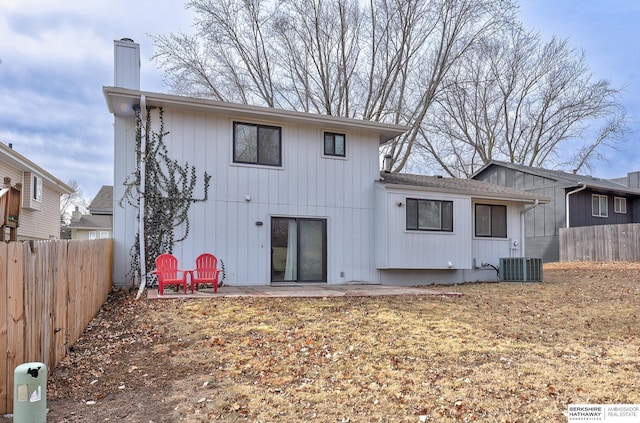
[298, 250]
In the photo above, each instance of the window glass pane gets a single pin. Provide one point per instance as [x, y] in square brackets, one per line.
[328, 144]
[311, 250]
[603, 205]
[595, 205]
[483, 220]
[245, 143]
[412, 214]
[269, 149]
[339, 145]
[620, 205]
[429, 215]
[447, 216]
[499, 221]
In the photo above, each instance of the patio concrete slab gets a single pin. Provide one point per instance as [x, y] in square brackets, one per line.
[299, 291]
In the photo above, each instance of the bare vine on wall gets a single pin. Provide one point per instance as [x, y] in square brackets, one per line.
[168, 193]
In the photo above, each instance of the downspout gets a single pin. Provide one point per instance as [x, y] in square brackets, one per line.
[522, 212]
[141, 209]
[566, 207]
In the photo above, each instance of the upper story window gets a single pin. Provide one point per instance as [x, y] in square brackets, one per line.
[257, 144]
[599, 205]
[37, 188]
[334, 144]
[429, 215]
[620, 205]
[491, 220]
[104, 234]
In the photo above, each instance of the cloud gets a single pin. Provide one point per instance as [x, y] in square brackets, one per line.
[55, 57]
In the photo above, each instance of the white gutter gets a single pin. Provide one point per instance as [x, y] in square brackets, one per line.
[141, 205]
[522, 212]
[583, 187]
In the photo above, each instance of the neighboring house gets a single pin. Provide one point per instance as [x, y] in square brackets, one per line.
[298, 197]
[29, 199]
[578, 200]
[98, 223]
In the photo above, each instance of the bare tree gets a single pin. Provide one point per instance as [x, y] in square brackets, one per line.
[319, 55]
[518, 99]
[458, 73]
[68, 202]
[230, 56]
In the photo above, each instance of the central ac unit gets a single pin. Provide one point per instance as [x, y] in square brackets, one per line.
[521, 269]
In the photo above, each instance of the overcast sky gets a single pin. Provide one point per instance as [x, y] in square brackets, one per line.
[56, 55]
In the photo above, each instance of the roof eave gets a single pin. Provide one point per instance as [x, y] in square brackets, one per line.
[472, 194]
[121, 102]
[25, 165]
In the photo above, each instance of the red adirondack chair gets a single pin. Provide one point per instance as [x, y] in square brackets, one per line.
[168, 273]
[206, 272]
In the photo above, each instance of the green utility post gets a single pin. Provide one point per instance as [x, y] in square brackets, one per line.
[30, 393]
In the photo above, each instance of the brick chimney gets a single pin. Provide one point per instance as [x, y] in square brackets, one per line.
[126, 64]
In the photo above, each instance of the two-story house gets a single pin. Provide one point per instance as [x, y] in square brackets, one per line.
[29, 198]
[298, 197]
[98, 224]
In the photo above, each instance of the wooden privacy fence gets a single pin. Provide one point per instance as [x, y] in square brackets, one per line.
[603, 243]
[49, 292]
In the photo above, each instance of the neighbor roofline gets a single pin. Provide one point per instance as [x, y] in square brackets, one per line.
[25, 165]
[565, 179]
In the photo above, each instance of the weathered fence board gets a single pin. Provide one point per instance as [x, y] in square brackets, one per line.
[49, 292]
[605, 243]
[4, 314]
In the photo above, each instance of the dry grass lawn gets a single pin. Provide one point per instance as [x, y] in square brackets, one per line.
[507, 352]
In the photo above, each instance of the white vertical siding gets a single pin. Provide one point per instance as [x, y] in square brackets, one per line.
[307, 185]
[397, 248]
[403, 249]
[127, 64]
[124, 219]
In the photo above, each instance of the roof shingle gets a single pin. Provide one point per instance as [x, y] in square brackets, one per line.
[461, 186]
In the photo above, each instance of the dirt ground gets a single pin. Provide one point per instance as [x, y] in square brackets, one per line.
[507, 352]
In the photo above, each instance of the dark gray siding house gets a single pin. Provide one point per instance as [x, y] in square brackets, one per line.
[591, 201]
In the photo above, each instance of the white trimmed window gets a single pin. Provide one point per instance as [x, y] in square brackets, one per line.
[599, 205]
[620, 205]
[93, 235]
[37, 188]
